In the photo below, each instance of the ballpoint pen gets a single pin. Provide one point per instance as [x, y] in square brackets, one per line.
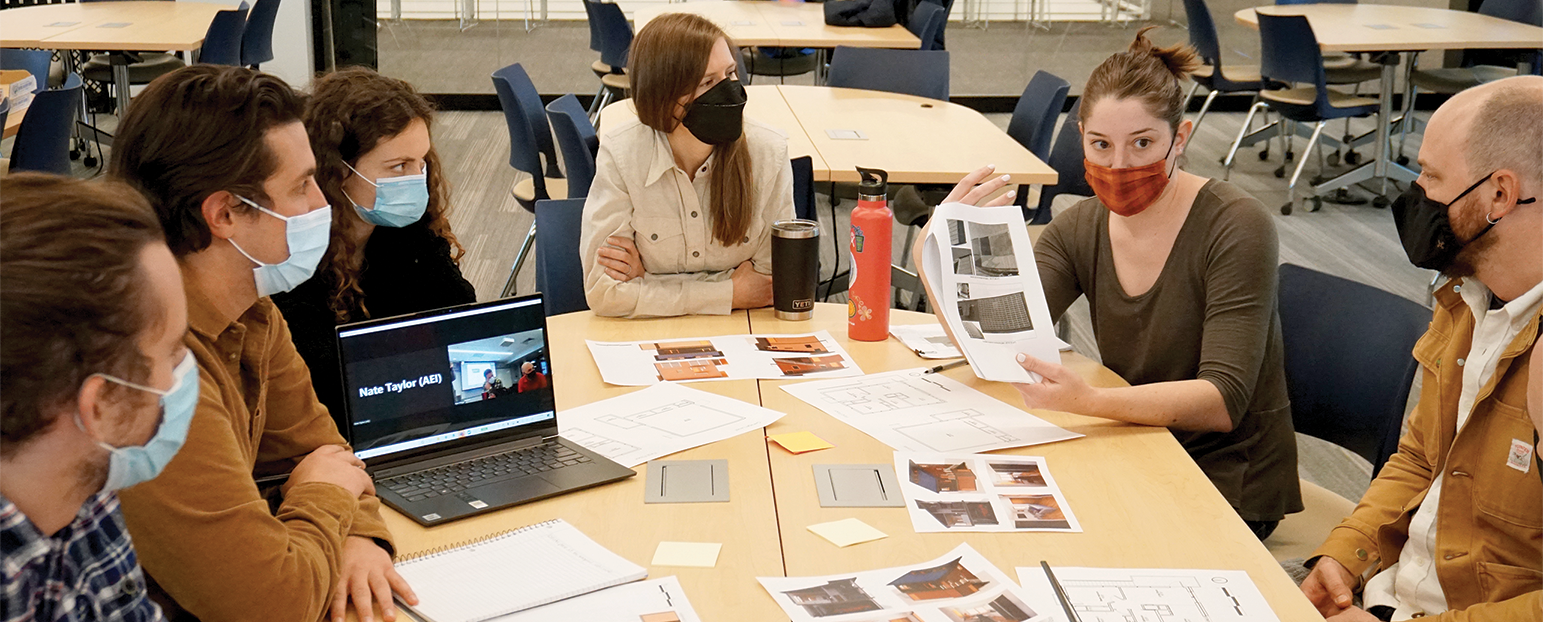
[947, 366]
[1060, 594]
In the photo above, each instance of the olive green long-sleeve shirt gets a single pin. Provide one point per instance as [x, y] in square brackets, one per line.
[1210, 315]
[203, 531]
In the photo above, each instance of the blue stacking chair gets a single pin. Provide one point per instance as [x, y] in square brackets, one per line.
[1290, 55]
[34, 61]
[43, 140]
[1349, 359]
[5, 111]
[615, 36]
[927, 24]
[576, 137]
[559, 273]
[528, 126]
[948, 8]
[1033, 121]
[222, 44]
[909, 72]
[257, 40]
[1066, 158]
[1212, 76]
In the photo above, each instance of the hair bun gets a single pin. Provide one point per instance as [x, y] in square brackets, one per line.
[1180, 59]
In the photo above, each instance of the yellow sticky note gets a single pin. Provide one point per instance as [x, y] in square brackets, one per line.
[847, 532]
[799, 442]
[696, 554]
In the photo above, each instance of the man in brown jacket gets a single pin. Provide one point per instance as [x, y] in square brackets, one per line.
[1452, 528]
[222, 156]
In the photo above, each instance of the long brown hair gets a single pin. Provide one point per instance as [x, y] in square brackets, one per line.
[1146, 72]
[350, 112]
[667, 61]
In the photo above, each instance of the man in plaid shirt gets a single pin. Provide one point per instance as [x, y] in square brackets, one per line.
[98, 393]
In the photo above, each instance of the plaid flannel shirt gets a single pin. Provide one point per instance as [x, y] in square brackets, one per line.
[86, 571]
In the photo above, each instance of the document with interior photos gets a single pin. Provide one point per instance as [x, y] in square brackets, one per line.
[980, 265]
[960, 586]
[728, 357]
[981, 492]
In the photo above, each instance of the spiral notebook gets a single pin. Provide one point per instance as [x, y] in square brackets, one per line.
[511, 571]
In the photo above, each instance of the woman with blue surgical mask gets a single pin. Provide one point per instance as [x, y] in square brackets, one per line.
[390, 250]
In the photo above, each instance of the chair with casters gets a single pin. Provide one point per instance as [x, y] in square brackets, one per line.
[221, 45]
[35, 62]
[1349, 368]
[1340, 68]
[926, 23]
[1291, 56]
[1212, 75]
[257, 41]
[1478, 66]
[1033, 120]
[1066, 158]
[908, 72]
[938, 39]
[559, 272]
[530, 138]
[803, 188]
[615, 38]
[907, 291]
[576, 138]
[43, 140]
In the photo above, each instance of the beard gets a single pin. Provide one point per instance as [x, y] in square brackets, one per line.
[92, 474]
[1477, 246]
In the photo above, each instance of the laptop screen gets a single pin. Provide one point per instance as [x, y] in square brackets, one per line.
[417, 383]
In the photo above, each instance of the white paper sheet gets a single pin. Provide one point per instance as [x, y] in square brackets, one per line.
[658, 421]
[982, 493]
[980, 264]
[929, 341]
[1152, 595]
[645, 600]
[931, 413]
[773, 357]
[956, 587]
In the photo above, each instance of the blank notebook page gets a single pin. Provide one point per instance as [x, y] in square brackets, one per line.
[512, 571]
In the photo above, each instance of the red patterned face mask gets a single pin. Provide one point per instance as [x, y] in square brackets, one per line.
[1128, 191]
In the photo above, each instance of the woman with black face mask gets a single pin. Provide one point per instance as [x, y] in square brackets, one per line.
[678, 219]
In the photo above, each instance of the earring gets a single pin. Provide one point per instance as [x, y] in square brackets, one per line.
[1488, 220]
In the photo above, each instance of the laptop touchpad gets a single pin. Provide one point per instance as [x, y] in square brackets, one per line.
[515, 489]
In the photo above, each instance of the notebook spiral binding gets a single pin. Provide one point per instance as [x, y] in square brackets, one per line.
[446, 548]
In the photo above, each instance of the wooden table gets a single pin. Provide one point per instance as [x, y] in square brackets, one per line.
[916, 139]
[1389, 31]
[13, 121]
[128, 25]
[783, 24]
[1140, 499]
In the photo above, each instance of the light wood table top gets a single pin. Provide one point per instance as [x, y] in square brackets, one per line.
[1141, 500]
[916, 139]
[1393, 28]
[615, 515]
[787, 24]
[13, 121]
[764, 103]
[130, 25]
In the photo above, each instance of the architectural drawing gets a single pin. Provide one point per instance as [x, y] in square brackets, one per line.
[1016, 474]
[805, 365]
[658, 421]
[836, 597]
[960, 513]
[943, 477]
[1168, 597]
[803, 343]
[879, 397]
[1036, 512]
[1004, 608]
[682, 418]
[955, 431]
[946, 580]
[677, 350]
[691, 369]
[602, 445]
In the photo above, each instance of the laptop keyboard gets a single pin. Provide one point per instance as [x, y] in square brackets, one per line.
[454, 478]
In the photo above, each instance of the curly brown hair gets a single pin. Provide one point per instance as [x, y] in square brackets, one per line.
[350, 112]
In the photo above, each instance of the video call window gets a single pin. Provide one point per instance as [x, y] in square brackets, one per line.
[497, 366]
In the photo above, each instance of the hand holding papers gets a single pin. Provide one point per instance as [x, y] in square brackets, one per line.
[980, 267]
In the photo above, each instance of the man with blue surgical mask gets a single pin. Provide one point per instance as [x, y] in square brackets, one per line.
[222, 156]
[1451, 527]
[92, 405]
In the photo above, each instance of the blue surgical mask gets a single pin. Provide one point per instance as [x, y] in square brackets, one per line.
[307, 236]
[128, 466]
[399, 201]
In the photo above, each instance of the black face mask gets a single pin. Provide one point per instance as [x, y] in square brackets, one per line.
[1426, 231]
[717, 116]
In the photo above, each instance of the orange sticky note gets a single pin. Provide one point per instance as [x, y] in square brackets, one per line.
[800, 442]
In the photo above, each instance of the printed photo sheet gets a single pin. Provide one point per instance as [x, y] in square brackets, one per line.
[981, 493]
[658, 421]
[734, 357]
[980, 265]
[961, 586]
[658, 600]
[914, 411]
[1152, 594]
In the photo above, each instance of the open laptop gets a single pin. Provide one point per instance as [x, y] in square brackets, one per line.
[452, 411]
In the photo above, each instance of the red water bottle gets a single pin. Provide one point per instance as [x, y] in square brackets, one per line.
[868, 296]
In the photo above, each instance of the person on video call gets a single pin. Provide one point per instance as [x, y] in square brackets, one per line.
[530, 378]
